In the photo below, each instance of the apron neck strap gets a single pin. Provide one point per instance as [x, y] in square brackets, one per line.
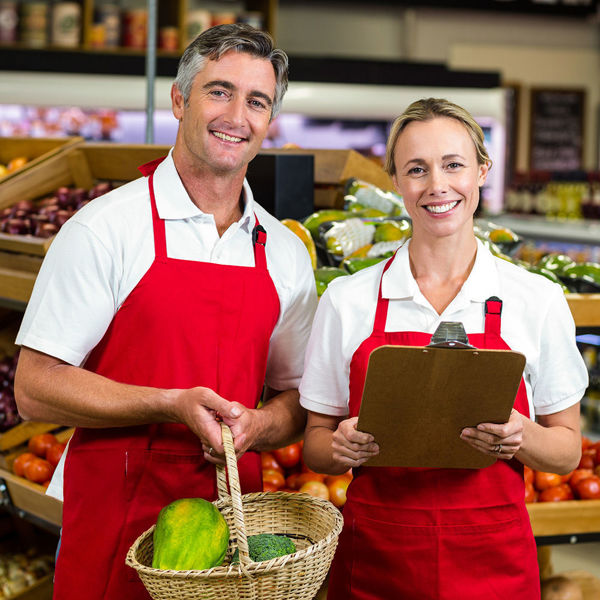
[493, 310]
[382, 303]
[259, 241]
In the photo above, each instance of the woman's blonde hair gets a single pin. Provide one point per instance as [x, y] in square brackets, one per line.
[425, 110]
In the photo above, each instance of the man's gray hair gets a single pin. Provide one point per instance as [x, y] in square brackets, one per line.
[216, 41]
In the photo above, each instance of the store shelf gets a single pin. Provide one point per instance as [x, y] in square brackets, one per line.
[565, 522]
[585, 309]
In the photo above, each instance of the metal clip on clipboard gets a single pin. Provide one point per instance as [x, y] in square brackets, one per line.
[450, 334]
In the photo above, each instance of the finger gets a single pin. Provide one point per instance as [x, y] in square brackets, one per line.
[225, 408]
[215, 460]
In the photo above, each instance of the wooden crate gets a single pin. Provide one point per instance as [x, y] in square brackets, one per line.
[35, 150]
[42, 589]
[82, 165]
[334, 167]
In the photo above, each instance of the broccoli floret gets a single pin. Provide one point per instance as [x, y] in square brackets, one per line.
[265, 546]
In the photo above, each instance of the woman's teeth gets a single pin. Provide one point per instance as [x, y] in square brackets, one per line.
[227, 138]
[441, 208]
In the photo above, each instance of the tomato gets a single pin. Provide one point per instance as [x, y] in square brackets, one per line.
[557, 493]
[337, 491]
[269, 487]
[55, 452]
[288, 456]
[39, 443]
[38, 470]
[21, 462]
[291, 481]
[315, 488]
[587, 461]
[589, 488]
[531, 494]
[578, 475]
[306, 477]
[566, 478]
[596, 446]
[543, 480]
[331, 478]
[273, 477]
[528, 475]
[585, 442]
[268, 461]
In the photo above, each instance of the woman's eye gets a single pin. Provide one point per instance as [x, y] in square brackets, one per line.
[416, 171]
[454, 165]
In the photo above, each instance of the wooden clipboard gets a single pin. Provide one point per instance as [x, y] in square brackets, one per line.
[417, 400]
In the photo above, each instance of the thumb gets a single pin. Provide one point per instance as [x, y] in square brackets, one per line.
[225, 408]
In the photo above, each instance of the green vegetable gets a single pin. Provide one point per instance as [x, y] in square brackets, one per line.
[265, 546]
[352, 265]
[190, 533]
[324, 275]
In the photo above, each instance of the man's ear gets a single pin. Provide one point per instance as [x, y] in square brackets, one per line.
[177, 102]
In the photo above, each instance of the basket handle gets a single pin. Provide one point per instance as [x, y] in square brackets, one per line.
[231, 473]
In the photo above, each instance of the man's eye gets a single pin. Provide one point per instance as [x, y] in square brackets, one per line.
[258, 104]
[218, 93]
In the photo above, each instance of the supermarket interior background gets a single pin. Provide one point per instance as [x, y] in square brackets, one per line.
[528, 70]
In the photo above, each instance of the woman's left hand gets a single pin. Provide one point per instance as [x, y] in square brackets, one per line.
[500, 440]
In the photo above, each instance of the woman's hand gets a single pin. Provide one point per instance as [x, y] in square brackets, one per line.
[351, 447]
[500, 440]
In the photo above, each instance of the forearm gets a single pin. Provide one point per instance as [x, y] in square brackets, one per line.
[551, 446]
[49, 390]
[281, 421]
[318, 451]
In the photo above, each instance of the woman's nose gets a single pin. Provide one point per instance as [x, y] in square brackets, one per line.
[438, 182]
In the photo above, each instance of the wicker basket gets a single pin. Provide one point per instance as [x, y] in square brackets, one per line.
[312, 523]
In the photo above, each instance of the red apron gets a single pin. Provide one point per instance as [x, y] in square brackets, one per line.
[434, 534]
[185, 324]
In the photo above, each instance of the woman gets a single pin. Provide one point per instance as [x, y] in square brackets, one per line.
[441, 533]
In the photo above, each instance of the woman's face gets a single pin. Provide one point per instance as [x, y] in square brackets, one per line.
[438, 175]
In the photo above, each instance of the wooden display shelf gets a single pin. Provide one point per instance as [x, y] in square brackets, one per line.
[585, 309]
[32, 499]
[564, 518]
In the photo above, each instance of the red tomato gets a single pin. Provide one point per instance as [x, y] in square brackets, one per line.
[556, 494]
[21, 462]
[566, 478]
[587, 461]
[585, 442]
[528, 475]
[578, 475]
[268, 461]
[315, 488]
[38, 470]
[269, 487]
[39, 443]
[55, 452]
[330, 478]
[289, 456]
[589, 488]
[291, 481]
[596, 447]
[531, 494]
[337, 491]
[597, 470]
[306, 477]
[273, 477]
[543, 480]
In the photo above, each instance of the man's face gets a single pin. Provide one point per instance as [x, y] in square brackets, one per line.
[228, 112]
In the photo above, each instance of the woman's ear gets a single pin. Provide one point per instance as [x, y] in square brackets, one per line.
[483, 172]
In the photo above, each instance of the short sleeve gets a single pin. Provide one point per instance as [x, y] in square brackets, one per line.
[73, 300]
[288, 342]
[324, 387]
[561, 377]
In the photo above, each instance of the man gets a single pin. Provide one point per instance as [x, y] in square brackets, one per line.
[161, 305]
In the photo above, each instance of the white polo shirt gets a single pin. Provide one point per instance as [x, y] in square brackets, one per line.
[102, 252]
[536, 321]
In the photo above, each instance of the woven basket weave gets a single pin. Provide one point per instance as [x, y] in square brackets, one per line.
[312, 523]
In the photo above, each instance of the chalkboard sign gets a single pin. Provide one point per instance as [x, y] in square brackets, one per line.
[557, 127]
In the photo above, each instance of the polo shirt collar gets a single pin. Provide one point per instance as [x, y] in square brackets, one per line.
[483, 281]
[174, 203]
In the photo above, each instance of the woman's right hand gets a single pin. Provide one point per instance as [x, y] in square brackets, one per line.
[351, 447]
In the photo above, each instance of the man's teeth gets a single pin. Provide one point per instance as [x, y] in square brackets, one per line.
[227, 138]
[441, 208]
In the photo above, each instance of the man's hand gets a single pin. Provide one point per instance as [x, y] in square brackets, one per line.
[351, 447]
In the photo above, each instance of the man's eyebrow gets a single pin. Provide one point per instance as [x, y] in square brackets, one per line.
[229, 86]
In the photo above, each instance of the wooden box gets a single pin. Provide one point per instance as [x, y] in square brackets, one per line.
[35, 150]
[332, 168]
[82, 165]
[564, 518]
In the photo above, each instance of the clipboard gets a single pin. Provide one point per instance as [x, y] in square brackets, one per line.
[416, 401]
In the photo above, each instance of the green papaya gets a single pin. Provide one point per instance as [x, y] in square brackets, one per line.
[389, 231]
[352, 265]
[190, 534]
[325, 275]
[313, 221]
[555, 262]
[551, 275]
[582, 270]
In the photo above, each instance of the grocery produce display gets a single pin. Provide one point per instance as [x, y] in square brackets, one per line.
[581, 484]
[44, 217]
[12, 165]
[284, 470]
[20, 571]
[9, 415]
[37, 464]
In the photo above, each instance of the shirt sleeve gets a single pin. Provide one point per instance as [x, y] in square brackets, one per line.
[287, 346]
[324, 388]
[73, 300]
[560, 377]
